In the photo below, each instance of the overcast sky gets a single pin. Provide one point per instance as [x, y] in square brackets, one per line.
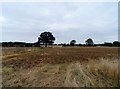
[66, 20]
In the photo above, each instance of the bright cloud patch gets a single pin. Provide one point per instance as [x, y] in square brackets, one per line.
[2, 19]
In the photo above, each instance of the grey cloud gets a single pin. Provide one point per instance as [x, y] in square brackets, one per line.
[67, 21]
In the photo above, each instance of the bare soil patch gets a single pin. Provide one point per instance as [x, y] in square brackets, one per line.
[60, 67]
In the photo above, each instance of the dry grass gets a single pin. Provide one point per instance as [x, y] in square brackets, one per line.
[61, 67]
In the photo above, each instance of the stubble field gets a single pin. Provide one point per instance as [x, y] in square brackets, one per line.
[60, 66]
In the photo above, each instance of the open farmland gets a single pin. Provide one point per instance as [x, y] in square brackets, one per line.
[60, 66]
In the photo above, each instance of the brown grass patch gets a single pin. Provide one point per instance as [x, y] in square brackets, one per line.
[66, 67]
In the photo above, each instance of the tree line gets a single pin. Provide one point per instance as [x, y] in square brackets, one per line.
[47, 38]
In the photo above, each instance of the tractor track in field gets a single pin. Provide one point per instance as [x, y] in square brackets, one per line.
[60, 67]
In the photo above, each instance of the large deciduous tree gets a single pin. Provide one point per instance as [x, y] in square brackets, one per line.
[116, 43]
[72, 42]
[46, 38]
[89, 42]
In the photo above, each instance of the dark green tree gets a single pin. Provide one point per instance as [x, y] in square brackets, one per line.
[72, 42]
[89, 42]
[46, 38]
[116, 43]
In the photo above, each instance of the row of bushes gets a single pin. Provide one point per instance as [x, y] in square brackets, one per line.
[19, 44]
[23, 44]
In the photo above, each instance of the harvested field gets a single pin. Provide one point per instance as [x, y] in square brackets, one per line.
[60, 67]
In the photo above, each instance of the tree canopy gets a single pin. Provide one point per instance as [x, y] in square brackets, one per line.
[116, 43]
[89, 42]
[72, 42]
[46, 38]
